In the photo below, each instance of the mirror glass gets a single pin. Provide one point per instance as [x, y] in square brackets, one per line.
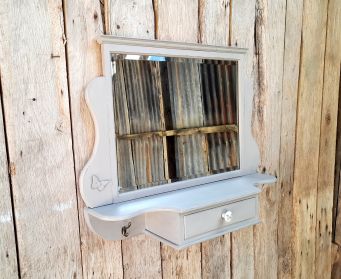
[175, 119]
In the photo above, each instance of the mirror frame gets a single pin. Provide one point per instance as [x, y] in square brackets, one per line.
[98, 180]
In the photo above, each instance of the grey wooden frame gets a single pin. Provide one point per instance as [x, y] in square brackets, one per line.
[98, 180]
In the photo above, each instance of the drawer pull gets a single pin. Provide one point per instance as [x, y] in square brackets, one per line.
[227, 216]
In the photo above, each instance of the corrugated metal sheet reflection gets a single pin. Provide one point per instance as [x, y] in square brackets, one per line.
[220, 108]
[137, 105]
[187, 111]
[126, 171]
[169, 95]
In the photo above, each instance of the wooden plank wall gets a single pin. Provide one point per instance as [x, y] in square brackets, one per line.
[8, 253]
[334, 73]
[39, 141]
[48, 54]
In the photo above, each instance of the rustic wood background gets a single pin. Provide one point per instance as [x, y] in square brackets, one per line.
[48, 55]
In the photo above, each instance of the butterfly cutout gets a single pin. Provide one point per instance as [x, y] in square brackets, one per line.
[99, 185]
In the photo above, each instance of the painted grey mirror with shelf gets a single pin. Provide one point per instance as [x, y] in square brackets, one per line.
[173, 142]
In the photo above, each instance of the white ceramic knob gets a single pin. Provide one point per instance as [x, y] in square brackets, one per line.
[227, 216]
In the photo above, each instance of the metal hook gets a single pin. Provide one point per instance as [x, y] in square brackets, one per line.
[124, 230]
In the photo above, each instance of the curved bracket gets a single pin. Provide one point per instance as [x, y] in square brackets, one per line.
[98, 178]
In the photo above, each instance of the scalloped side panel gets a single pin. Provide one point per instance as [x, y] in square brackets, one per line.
[98, 178]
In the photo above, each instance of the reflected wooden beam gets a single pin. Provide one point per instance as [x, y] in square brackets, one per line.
[183, 132]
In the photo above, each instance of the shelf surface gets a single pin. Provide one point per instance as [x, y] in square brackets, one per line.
[185, 200]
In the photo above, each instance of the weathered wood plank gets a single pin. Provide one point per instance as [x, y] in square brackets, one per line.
[214, 22]
[242, 254]
[214, 30]
[172, 18]
[337, 205]
[101, 259]
[37, 120]
[141, 255]
[216, 257]
[176, 20]
[325, 182]
[141, 258]
[131, 18]
[293, 28]
[336, 261]
[337, 179]
[8, 253]
[242, 35]
[270, 28]
[308, 137]
[183, 264]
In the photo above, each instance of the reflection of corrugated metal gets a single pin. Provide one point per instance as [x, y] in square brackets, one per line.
[220, 108]
[137, 104]
[126, 172]
[186, 108]
[179, 93]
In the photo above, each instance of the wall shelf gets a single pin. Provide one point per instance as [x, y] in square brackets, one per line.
[188, 198]
[183, 217]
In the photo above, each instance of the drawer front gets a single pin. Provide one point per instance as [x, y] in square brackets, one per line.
[219, 217]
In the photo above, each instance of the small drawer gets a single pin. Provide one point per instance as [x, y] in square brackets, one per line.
[219, 217]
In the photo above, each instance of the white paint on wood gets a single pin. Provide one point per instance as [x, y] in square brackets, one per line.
[6, 217]
[62, 206]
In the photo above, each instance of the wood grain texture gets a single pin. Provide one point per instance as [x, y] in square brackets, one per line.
[270, 29]
[292, 47]
[131, 18]
[294, 239]
[8, 253]
[242, 35]
[216, 257]
[325, 182]
[214, 30]
[141, 255]
[214, 22]
[183, 264]
[37, 120]
[141, 258]
[337, 179]
[100, 258]
[336, 261]
[176, 20]
[172, 18]
[242, 254]
[308, 137]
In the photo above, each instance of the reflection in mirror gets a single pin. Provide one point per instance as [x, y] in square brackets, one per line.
[175, 119]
